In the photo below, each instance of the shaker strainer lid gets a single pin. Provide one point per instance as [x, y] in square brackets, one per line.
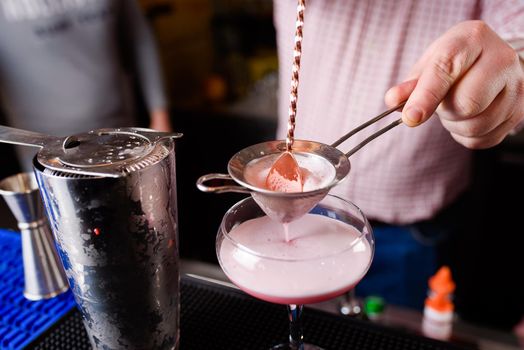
[106, 152]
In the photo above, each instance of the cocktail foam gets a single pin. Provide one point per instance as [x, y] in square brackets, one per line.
[317, 172]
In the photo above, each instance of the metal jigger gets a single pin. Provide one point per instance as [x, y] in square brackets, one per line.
[43, 272]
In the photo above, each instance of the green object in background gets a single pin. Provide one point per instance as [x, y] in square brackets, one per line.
[374, 307]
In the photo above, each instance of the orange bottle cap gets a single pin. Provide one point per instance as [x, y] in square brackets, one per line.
[442, 287]
[442, 282]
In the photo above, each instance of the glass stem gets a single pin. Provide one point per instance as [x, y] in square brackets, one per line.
[296, 337]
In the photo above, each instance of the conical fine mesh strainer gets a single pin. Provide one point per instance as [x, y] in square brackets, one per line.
[289, 206]
[280, 206]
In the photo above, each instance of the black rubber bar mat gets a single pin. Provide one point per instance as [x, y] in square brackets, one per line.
[218, 317]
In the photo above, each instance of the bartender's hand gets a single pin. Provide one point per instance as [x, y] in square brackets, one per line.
[472, 79]
[160, 120]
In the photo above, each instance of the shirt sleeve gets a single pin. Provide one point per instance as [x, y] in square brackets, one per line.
[141, 46]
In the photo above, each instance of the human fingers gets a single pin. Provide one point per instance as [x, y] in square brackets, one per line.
[399, 93]
[491, 139]
[447, 60]
[483, 123]
[497, 69]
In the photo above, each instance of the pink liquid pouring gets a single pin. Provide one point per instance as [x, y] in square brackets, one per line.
[323, 259]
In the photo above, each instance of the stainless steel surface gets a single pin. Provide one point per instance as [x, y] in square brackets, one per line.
[284, 207]
[281, 206]
[219, 183]
[106, 152]
[368, 123]
[27, 138]
[373, 136]
[117, 237]
[43, 273]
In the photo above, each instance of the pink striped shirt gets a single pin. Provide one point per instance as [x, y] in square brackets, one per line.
[353, 52]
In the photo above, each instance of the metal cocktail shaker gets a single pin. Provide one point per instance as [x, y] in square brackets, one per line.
[110, 197]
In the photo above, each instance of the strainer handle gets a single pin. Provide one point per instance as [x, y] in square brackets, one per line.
[154, 135]
[25, 137]
[373, 136]
[207, 183]
[365, 125]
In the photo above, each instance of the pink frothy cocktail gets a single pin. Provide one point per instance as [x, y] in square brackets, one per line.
[324, 257]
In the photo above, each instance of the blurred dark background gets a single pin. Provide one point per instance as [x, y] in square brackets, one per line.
[220, 64]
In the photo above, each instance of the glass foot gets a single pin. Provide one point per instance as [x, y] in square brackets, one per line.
[288, 347]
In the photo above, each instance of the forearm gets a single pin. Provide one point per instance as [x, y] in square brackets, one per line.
[160, 120]
[143, 50]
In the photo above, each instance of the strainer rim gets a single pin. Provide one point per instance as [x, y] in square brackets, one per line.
[336, 180]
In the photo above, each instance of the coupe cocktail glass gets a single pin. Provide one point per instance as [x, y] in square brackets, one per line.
[323, 254]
